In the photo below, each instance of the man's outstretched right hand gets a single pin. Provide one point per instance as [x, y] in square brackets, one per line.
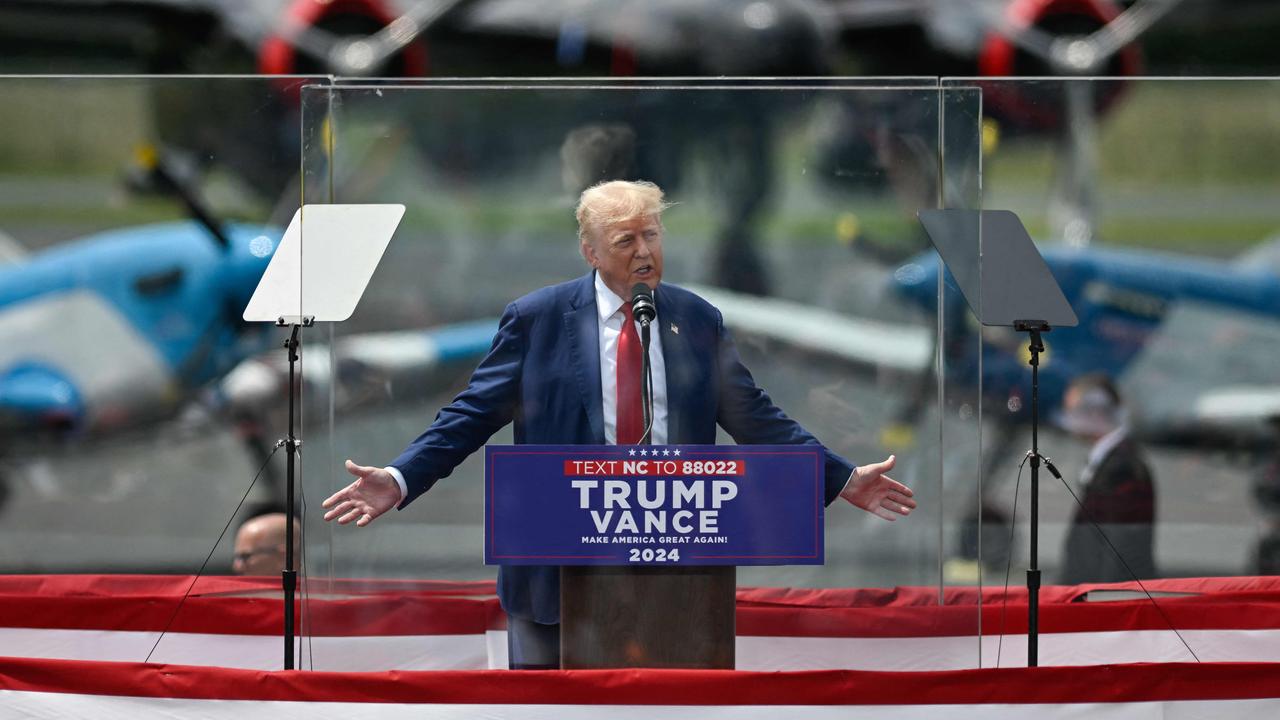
[374, 492]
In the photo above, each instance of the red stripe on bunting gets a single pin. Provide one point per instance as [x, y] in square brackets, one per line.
[168, 585]
[255, 616]
[923, 622]
[1098, 684]
[51, 602]
[1263, 586]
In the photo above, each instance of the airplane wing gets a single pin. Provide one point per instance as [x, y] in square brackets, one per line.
[856, 340]
[361, 366]
[10, 250]
[1207, 375]
[372, 364]
[1263, 256]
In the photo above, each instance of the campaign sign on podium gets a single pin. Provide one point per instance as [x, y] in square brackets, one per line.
[653, 505]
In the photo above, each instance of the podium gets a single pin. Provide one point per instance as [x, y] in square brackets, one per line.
[648, 548]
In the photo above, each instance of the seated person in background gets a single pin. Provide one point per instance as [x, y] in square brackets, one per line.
[260, 545]
[1118, 491]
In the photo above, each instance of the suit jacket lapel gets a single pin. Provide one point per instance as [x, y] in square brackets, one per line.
[581, 327]
[678, 358]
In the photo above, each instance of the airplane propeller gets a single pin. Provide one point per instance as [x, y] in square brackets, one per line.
[1078, 54]
[158, 171]
[1072, 211]
[352, 53]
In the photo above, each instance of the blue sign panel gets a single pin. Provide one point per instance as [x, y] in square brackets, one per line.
[653, 505]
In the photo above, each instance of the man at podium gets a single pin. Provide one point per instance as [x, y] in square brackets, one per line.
[565, 369]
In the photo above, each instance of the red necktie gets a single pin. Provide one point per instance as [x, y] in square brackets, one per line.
[630, 412]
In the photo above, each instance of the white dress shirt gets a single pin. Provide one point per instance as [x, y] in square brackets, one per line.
[1100, 451]
[609, 326]
[610, 316]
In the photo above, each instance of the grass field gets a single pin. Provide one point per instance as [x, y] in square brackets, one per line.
[1190, 166]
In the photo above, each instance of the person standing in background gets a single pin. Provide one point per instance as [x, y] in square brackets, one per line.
[1118, 491]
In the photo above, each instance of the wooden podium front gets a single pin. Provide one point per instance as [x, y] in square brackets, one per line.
[645, 616]
[649, 539]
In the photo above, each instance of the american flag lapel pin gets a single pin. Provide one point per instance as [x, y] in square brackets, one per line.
[675, 328]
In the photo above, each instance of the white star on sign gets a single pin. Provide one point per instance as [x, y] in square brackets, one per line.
[666, 452]
[644, 452]
[632, 452]
[677, 451]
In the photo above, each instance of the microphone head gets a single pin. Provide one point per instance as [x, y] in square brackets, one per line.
[642, 307]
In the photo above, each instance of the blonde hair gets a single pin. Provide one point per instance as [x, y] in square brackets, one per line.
[616, 201]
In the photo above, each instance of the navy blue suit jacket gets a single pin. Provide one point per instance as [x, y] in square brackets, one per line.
[543, 374]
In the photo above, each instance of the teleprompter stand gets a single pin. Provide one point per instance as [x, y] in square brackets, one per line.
[289, 576]
[1033, 328]
[1006, 282]
[318, 272]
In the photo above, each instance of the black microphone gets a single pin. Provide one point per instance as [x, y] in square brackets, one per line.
[642, 306]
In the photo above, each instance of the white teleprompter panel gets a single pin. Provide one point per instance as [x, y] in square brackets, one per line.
[324, 262]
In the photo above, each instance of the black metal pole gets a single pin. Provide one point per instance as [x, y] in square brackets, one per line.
[289, 577]
[1033, 572]
[646, 382]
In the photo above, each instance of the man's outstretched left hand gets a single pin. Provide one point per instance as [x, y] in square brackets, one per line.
[877, 493]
